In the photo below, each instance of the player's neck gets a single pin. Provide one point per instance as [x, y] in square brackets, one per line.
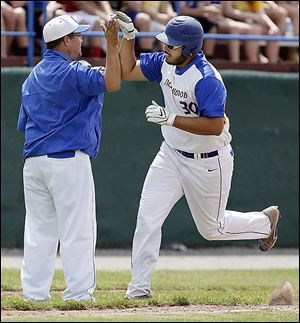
[186, 62]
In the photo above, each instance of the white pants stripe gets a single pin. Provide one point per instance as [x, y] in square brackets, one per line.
[206, 185]
[60, 206]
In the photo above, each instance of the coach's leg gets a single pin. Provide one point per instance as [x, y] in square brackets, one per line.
[162, 189]
[41, 232]
[207, 192]
[74, 197]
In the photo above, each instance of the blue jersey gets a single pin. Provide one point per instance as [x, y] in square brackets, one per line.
[61, 107]
[195, 90]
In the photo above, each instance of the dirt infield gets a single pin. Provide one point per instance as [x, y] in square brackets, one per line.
[191, 309]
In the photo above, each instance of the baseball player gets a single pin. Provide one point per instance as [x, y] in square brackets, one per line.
[195, 158]
[61, 116]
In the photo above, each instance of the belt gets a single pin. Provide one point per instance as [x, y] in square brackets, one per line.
[62, 154]
[199, 155]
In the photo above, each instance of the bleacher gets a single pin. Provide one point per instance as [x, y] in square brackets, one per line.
[220, 60]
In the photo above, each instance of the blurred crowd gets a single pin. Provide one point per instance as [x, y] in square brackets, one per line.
[277, 18]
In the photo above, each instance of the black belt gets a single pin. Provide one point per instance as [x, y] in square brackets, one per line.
[198, 155]
[62, 154]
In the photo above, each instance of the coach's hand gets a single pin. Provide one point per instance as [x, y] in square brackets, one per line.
[126, 24]
[157, 114]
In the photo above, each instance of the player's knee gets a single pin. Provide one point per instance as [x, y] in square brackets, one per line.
[210, 235]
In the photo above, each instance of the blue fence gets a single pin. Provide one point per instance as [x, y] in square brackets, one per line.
[293, 40]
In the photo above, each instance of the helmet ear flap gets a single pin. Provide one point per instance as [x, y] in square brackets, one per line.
[189, 51]
[186, 51]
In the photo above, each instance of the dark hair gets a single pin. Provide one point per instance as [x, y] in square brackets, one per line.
[54, 43]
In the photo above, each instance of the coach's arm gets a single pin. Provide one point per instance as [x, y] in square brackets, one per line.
[112, 75]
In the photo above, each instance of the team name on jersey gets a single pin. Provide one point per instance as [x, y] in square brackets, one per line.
[175, 92]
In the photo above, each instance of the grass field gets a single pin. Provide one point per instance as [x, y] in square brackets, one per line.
[178, 296]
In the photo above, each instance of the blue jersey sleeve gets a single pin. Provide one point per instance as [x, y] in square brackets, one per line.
[211, 96]
[90, 81]
[151, 65]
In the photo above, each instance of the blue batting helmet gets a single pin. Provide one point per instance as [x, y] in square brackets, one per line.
[183, 31]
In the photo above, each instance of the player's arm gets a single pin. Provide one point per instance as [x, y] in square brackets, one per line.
[200, 125]
[211, 97]
[130, 66]
[197, 125]
[112, 75]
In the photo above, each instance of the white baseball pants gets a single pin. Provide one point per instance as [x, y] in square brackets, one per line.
[206, 185]
[60, 206]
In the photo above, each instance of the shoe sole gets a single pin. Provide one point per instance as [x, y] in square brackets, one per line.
[275, 233]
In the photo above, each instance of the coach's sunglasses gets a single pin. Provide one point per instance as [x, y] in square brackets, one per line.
[78, 35]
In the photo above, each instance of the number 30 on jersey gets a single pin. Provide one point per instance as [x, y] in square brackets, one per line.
[189, 108]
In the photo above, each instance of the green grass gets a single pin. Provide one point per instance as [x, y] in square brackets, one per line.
[180, 288]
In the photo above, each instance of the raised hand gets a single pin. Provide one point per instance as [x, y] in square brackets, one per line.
[111, 32]
[126, 24]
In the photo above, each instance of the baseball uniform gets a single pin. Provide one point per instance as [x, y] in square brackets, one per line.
[199, 167]
[61, 117]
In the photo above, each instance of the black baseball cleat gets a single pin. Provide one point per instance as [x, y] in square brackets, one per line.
[273, 214]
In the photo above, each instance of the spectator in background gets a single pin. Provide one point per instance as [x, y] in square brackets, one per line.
[13, 19]
[142, 22]
[277, 13]
[292, 8]
[3, 28]
[148, 16]
[103, 8]
[54, 9]
[37, 20]
[94, 13]
[252, 12]
[209, 14]
[160, 12]
[176, 7]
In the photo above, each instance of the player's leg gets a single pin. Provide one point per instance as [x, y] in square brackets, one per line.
[41, 232]
[207, 190]
[74, 197]
[161, 190]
